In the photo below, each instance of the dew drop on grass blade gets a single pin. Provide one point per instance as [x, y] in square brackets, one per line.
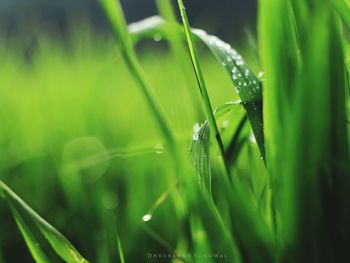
[200, 147]
[247, 85]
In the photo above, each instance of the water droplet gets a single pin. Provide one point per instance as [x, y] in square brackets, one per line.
[245, 84]
[195, 137]
[147, 218]
[225, 124]
[234, 76]
[261, 75]
[252, 138]
[246, 73]
[157, 37]
[159, 149]
[196, 127]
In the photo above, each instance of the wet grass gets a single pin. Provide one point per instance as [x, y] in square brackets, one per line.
[175, 150]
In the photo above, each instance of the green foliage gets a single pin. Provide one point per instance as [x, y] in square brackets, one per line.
[305, 128]
[268, 181]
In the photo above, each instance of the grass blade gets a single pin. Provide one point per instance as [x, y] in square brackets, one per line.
[200, 147]
[31, 241]
[115, 15]
[179, 52]
[201, 82]
[247, 85]
[26, 216]
[306, 133]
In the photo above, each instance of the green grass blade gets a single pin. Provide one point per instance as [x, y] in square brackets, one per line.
[246, 83]
[115, 15]
[238, 140]
[200, 147]
[179, 52]
[25, 216]
[31, 241]
[306, 133]
[120, 247]
[201, 155]
[200, 79]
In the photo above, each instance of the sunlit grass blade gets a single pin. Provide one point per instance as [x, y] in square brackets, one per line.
[26, 219]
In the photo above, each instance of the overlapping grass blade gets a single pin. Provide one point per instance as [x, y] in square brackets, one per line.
[305, 128]
[247, 85]
[35, 230]
[115, 15]
[244, 215]
[179, 52]
[201, 82]
[200, 147]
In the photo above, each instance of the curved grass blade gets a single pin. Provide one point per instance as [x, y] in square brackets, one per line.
[200, 147]
[35, 229]
[114, 13]
[247, 85]
[200, 154]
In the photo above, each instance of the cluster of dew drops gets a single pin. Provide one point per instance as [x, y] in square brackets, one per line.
[241, 75]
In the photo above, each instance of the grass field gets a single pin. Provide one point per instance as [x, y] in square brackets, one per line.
[162, 144]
